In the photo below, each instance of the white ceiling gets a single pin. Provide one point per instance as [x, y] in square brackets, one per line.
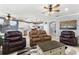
[34, 11]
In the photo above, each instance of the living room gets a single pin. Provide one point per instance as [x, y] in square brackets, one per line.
[25, 29]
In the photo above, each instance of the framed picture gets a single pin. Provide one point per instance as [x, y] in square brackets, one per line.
[72, 24]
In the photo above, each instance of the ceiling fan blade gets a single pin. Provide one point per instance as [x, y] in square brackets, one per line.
[56, 6]
[13, 18]
[50, 5]
[45, 7]
[56, 10]
[45, 11]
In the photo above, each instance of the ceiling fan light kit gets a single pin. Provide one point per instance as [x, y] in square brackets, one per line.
[52, 8]
[66, 9]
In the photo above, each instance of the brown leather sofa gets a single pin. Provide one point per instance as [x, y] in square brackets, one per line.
[68, 37]
[37, 36]
[13, 41]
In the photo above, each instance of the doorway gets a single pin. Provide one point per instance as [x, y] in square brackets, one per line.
[52, 28]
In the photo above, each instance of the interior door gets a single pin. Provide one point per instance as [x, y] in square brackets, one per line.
[52, 28]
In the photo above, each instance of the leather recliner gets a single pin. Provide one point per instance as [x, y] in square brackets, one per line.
[37, 36]
[13, 41]
[68, 37]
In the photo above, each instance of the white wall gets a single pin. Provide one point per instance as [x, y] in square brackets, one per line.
[58, 30]
[64, 18]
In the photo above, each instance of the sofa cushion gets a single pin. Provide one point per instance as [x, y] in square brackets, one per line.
[11, 39]
[33, 32]
[43, 35]
[15, 44]
[34, 36]
[46, 38]
[35, 39]
[41, 32]
[67, 33]
[70, 36]
[13, 34]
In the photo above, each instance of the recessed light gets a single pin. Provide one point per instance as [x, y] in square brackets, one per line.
[66, 9]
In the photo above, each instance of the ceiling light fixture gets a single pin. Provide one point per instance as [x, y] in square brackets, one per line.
[66, 9]
[52, 8]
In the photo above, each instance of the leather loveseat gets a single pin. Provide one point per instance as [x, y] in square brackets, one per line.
[13, 41]
[37, 36]
[68, 37]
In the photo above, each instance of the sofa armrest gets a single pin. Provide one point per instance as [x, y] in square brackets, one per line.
[24, 42]
[5, 47]
[76, 40]
[24, 38]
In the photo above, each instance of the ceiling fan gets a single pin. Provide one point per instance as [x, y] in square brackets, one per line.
[52, 8]
[9, 17]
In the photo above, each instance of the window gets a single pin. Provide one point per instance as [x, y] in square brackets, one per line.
[22, 24]
[13, 23]
[22, 27]
[1, 21]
